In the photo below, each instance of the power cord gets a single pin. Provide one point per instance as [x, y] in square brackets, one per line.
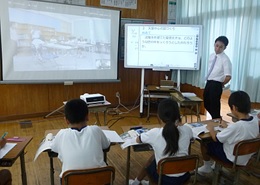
[117, 111]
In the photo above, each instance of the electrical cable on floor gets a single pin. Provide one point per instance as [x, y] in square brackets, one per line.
[116, 111]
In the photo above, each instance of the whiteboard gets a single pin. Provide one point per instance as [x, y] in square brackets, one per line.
[163, 46]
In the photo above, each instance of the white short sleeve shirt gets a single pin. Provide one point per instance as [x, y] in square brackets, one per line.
[222, 67]
[80, 149]
[155, 139]
[235, 132]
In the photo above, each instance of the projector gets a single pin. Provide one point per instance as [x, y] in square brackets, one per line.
[93, 98]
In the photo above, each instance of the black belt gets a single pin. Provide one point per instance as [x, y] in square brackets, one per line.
[213, 81]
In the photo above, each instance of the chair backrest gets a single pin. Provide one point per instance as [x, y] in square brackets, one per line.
[174, 165]
[245, 147]
[94, 176]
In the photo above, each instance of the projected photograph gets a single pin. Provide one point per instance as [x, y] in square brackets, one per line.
[46, 41]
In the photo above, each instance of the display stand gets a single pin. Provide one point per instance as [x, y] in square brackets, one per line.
[66, 92]
[142, 87]
[179, 80]
[59, 110]
[142, 93]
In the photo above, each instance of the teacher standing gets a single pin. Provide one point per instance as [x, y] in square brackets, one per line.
[219, 74]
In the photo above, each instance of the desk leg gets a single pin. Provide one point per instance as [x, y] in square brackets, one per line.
[23, 171]
[127, 165]
[51, 171]
[198, 112]
[105, 157]
[96, 115]
[105, 117]
[191, 113]
[148, 108]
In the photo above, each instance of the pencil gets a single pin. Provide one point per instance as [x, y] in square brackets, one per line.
[3, 136]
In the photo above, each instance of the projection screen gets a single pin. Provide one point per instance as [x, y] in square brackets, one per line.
[43, 42]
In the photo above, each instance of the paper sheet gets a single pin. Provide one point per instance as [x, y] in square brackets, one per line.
[6, 149]
[129, 142]
[113, 136]
[130, 136]
[198, 128]
[189, 94]
[44, 145]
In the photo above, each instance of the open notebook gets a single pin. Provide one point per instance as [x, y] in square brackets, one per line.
[184, 96]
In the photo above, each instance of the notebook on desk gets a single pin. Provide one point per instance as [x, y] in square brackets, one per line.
[182, 96]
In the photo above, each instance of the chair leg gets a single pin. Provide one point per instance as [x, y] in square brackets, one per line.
[216, 174]
[237, 173]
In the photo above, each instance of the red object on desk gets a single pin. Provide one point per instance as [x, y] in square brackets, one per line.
[13, 139]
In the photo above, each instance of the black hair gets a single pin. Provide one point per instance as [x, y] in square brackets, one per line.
[76, 111]
[222, 39]
[168, 112]
[241, 100]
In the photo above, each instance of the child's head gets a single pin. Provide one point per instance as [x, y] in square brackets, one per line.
[76, 111]
[240, 101]
[168, 111]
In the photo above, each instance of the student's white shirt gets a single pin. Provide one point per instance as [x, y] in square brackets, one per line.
[235, 132]
[156, 140]
[80, 149]
[222, 67]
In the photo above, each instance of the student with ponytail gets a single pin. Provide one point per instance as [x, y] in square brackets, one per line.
[172, 139]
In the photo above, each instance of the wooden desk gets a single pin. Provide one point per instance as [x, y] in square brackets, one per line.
[95, 108]
[207, 136]
[156, 92]
[190, 102]
[125, 129]
[18, 151]
[52, 154]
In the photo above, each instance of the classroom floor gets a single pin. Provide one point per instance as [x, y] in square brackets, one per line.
[38, 172]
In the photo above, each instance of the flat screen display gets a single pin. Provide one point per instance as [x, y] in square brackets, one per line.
[163, 46]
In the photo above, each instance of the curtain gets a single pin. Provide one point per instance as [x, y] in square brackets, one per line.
[239, 21]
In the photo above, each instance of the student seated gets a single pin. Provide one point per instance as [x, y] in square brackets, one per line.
[80, 146]
[173, 139]
[5, 175]
[224, 142]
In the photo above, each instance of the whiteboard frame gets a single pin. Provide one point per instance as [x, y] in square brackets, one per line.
[164, 68]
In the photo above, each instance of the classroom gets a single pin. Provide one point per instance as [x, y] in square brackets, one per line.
[32, 102]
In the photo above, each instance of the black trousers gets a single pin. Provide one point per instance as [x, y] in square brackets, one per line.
[212, 95]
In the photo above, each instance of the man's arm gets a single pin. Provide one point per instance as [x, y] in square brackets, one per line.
[226, 80]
